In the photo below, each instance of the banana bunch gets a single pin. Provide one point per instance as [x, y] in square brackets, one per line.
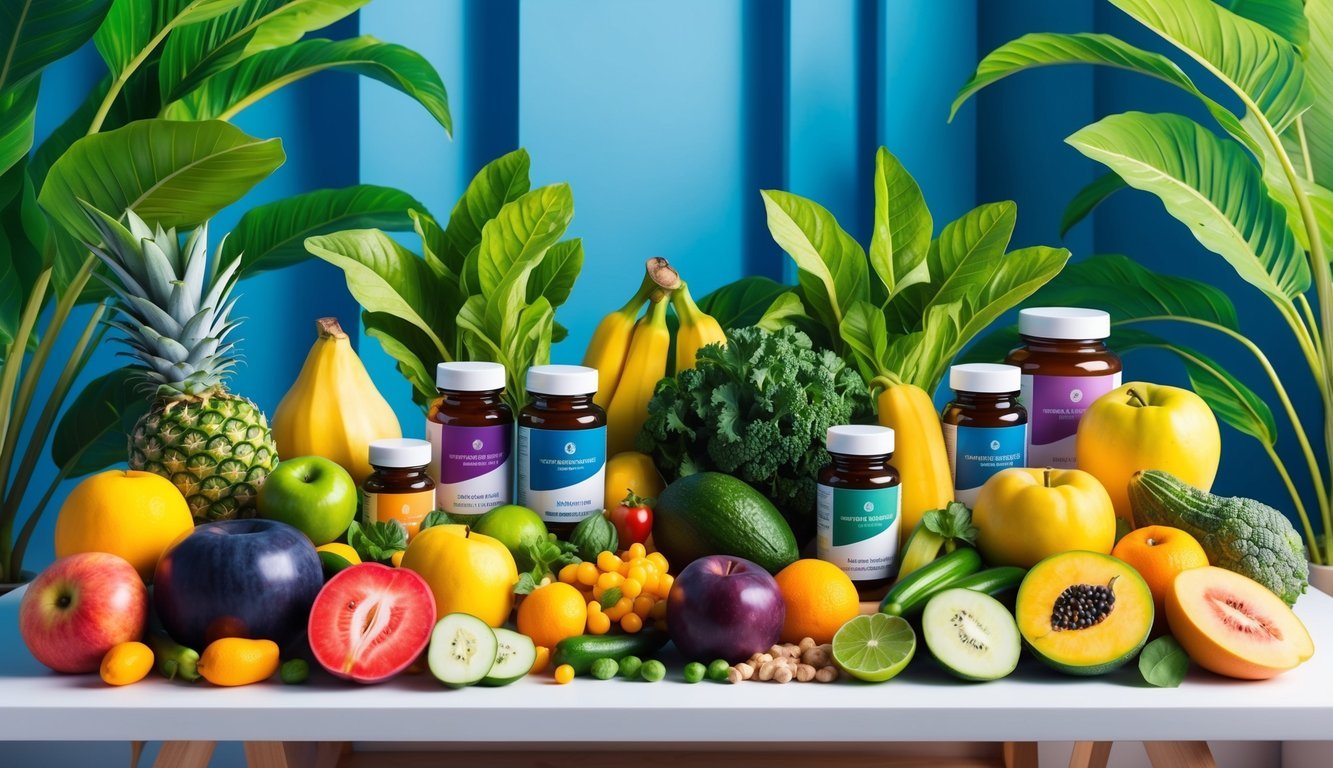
[631, 355]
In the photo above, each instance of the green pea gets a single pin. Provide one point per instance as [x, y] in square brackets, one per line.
[652, 670]
[294, 671]
[694, 672]
[717, 670]
[629, 667]
[604, 669]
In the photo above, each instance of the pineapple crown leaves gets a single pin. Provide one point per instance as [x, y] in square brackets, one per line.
[175, 318]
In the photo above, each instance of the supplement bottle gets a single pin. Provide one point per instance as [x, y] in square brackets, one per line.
[985, 427]
[471, 433]
[562, 446]
[1066, 366]
[399, 488]
[858, 506]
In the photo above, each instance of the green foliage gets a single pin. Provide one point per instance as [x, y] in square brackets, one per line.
[377, 542]
[593, 535]
[1164, 663]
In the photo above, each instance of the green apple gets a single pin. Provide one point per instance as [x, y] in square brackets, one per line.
[514, 526]
[312, 494]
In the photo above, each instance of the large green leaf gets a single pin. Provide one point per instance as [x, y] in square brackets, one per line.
[133, 28]
[1280, 189]
[1088, 198]
[743, 302]
[831, 264]
[93, 432]
[1208, 184]
[272, 236]
[1258, 65]
[866, 337]
[35, 33]
[193, 53]
[1317, 121]
[518, 237]
[501, 181]
[412, 349]
[903, 226]
[555, 274]
[226, 93]
[12, 295]
[18, 115]
[1286, 18]
[177, 174]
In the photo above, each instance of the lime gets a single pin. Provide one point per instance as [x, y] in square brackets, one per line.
[336, 556]
[874, 648]
[515, 527]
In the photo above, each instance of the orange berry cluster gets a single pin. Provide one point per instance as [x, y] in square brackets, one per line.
[639, 577]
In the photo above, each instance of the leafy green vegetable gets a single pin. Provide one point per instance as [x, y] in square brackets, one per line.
[548, 555]
[953, 524]
[435, 517]
[593, 535]
[377, 542]
[757, 409]
[1164, 663]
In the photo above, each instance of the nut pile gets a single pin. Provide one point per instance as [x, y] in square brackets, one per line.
[804, 662]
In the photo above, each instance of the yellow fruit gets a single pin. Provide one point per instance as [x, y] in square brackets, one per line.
[632, 471]
[397, 558]
[919, 455]
[610, 343]
[1024, 516]
[552, 613]
[238, 661]
[135, 515]
[333, 410]
[345, 551]
[564, 673]
[697, 329]
[468, 572]
[819, 598]
[126, 663]
[644, 367]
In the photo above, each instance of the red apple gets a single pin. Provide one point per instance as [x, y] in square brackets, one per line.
[79, 607]
[723, 607]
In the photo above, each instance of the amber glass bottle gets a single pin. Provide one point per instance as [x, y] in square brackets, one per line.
[858, 506]
[562, 446]
[1066, 365]
[985, 427]
[399, 488]
[471, 434]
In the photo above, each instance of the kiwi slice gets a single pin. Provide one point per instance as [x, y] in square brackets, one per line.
[462, 650]
[971, 634]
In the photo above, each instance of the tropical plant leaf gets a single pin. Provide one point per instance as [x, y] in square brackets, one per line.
[865, 336]
[831, 265]
[35, 33]
[91, 434]
[1285, 18]
[555, 274]
[133, 28]
[176, 174]
[1088, 198]
[18, 116]
[1260, 67]
[1279, 188]
[903, 226]
[1209, 185]
[515, 241]
[291, 20]
[226, 93]
[786, 309]
[12, 294]
[1317, 121]
[272, 236]
[743, 302]
[413, 350]
[501, 181]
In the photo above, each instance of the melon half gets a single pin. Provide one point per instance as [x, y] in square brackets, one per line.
[1234, 626]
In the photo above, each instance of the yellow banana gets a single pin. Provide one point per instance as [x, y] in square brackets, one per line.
[697, 329]
[333, 410]
[644, 367]
[610, 343]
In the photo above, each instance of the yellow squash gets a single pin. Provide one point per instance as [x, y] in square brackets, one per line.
[918, 454]
[1024, 516]
[333, 410]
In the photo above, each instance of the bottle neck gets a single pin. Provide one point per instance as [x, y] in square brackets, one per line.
[1064, 346]
[988, 400]
[399, 473]
[561, 402]
[476, 398]
[855, 463]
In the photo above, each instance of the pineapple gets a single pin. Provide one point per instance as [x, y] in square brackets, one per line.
[173, 309]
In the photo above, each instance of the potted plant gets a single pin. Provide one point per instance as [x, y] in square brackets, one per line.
[1257, 194]
[152, 134]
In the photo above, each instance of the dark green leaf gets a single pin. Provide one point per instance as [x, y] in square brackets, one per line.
[377, 542]
[953, 523]
[1286, 18]
[133, 27]
[18, 114]
[35, 33]
[903, 226]
[742, 302]
[832, 266]
[499, 182]
[1164, 663]
[93, 431]
[433, 518]
[1089, 198]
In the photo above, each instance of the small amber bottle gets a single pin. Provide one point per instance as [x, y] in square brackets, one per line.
[471, 432]
[858, 506]
[562, 446]
[985, 427]
[399, 488]
[1066, 366]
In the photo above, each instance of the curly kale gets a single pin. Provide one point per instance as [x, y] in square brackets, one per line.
[757, 409]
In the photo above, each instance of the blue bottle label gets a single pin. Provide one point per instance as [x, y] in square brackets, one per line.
[562, 472]
[977, 453]
[858, 529]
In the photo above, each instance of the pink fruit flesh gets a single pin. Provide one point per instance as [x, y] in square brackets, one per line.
[370, 622]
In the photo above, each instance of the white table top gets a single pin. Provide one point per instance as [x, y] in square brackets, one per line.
[922, 704]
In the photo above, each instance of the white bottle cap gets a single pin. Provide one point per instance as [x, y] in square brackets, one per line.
[399, 453]
[860, 440]
[562, 380]
[1068, 323]
[986, 378]
[470, 377]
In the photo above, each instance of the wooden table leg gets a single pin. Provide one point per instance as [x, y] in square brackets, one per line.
[184, 754]
[1020, 754]
[295, 754]
[1090, 754]
[1179, 754]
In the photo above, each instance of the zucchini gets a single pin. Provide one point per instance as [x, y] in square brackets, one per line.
[173, 660]
[1000, 582]
[908, 597]
[582, 650]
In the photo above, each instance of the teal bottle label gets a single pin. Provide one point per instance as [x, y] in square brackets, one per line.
[858, 530]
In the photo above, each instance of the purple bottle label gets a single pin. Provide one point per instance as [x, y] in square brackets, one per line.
[1055, 405]
[476, 468]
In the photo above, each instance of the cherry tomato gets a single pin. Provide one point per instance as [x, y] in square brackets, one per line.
[633, 519]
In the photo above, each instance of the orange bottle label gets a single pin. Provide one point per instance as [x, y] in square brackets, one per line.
[407, 508]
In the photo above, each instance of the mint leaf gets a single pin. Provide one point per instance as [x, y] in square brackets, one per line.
[610, 597]
[953, 524]
[526, 584]
[377, 542]
[433, 518]
[1164, 662]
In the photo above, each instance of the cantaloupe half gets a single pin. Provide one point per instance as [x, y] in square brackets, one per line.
[1233, 625]
[1067, 617]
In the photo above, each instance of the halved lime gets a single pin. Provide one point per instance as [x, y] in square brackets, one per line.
[875, 647]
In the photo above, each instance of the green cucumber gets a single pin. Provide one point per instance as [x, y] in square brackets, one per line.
[909, 596]
[1000, 582]
[582, 650]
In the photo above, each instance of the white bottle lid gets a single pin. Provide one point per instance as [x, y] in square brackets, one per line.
[1068, 323]
[859, 440]
[562, 380]
[985, 378]
[399, 453]
[470, 377]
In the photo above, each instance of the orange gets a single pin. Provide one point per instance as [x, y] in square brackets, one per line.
[1158, 553]
[820, 598]
[135, 515]
[238, 661]
[126, 663]
[552, 613]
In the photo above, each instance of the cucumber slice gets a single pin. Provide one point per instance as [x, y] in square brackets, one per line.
[971, 634]
[513, 659]
[462, 650]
